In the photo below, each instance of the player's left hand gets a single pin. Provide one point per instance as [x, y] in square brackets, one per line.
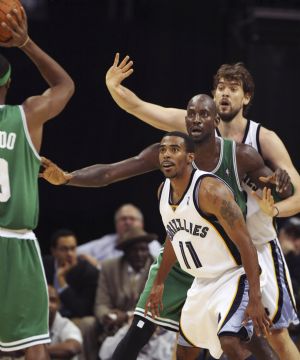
[17, 25]
[118, 72]
[53, 174]
[266, 201]
[280, 178]
[154, 302]
[257, 313]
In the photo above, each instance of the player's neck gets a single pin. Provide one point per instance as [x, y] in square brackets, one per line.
[207, 154]
[234, 129]
[180, 183]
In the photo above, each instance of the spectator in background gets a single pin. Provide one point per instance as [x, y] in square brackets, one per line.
[289, 237]
[122, 279]
[126, 217]
[66, 339]
[75, 280]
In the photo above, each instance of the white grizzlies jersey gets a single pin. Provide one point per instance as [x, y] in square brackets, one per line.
[260, 225]
[200, 243]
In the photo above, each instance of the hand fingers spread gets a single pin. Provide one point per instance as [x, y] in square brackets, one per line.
[128, 73]
[124, 62]
[127, 66]
[116, 60]
[18, 16]
[24, 16]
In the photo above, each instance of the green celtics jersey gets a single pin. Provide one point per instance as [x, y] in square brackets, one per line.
[19, 168]
[227, 171]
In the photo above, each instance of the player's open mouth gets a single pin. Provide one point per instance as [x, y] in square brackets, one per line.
[167, 164]
[224, 104]
[196, 131]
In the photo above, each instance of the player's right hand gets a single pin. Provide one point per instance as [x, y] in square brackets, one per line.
[118, 72]
[53, 174]
[257, 313]
[154, 302]
[17, 25]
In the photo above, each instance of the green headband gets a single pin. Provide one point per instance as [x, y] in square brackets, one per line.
[4, 78]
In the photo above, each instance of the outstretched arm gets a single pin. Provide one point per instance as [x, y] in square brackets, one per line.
[103, 174]
[39, 109]
[157, 116]
[216, 199]
[276, 155]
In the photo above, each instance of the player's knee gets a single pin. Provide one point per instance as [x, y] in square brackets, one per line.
[232, 347]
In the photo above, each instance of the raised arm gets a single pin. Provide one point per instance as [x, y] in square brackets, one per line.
[216, 199]
[276, 155]
[157, 116]
[39, 109]
[103, 174]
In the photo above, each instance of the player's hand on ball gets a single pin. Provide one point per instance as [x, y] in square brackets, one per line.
[118, 72]
[16, 23]
[53, 174]
[154, 302]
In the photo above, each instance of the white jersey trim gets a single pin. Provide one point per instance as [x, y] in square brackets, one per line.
[235, 166]
[27, 133]
[24, 234]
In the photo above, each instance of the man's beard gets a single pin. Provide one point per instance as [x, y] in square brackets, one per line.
[228, 117]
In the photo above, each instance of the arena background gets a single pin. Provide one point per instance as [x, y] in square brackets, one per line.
[176, 46]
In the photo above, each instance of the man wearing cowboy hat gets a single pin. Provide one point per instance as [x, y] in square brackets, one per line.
[122, 280]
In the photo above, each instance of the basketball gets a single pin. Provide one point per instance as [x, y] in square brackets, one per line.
[6, 7]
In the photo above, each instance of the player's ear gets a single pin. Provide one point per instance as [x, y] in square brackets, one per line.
[191, 157]
[247, 98]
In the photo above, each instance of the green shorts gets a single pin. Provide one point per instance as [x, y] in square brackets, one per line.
[24, 294]
[176, 286]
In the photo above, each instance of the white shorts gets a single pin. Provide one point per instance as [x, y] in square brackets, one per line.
[215, 307]
[277, 294]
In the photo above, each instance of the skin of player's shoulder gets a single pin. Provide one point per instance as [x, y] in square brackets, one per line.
[212, 192]
[248, 159]
[273, 150]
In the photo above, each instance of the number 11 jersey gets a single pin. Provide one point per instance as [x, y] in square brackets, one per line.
[202, 247]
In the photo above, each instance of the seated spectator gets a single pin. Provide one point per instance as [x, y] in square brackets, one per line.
[75, 280]
[122, 279]
[66, 339]
[126, 217]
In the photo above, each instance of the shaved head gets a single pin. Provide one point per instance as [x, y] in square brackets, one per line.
[205, 100]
